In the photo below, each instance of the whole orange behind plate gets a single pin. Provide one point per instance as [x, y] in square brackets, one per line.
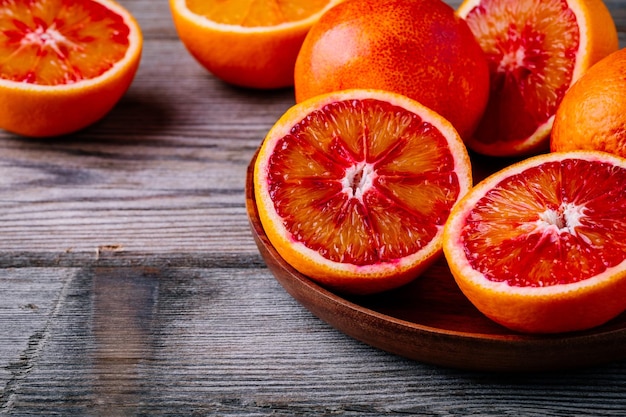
[431, 321]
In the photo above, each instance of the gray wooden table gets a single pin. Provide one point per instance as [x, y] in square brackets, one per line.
[130, 284]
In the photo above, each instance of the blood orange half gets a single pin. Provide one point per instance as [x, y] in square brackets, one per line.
[63, 64]
[536, 50]
[540, 246]
[247, 43]
[353, 187]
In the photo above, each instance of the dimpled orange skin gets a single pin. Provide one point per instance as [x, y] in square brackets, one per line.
[417, 48]
[222, 55]
[261, 57]
[592, 115]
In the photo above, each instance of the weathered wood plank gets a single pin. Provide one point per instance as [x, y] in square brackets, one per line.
[28, 307]
[152, 341]
[170, 181]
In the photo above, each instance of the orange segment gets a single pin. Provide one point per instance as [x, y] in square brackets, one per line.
[536, 50]
[541, 245]
[247, 42]
[354, 187]
[63, 64]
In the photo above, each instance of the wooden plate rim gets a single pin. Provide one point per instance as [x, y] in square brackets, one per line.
[514, 352]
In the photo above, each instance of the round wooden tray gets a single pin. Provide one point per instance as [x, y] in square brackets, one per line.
[431, 321]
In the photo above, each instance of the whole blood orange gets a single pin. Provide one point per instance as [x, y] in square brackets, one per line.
[353, 187]
[417, 48]
[63, 64]
[536, 50]
[247, 43]
[592, 114]
[540, 246]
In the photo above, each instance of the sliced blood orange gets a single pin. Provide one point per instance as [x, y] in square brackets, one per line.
[536, 50]
[63, 64]
[353, 187]
[540, 246]
[247, 43]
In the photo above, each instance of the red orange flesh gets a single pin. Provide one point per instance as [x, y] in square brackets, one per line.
[64, 64]
[536, 50]
[59, 42]
[541, 245]
[354, 187]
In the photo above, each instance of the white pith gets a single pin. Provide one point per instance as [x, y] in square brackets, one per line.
[563, 220]
[358, 180]
[49, 37]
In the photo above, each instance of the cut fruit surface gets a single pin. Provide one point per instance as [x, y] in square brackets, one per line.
[536, 50]
[247, 43]
[540, 246]
[63, 64]
[60, 42]
[256, 14]
[353, 187]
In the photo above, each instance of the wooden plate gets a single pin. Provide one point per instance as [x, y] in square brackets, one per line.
[431, 321]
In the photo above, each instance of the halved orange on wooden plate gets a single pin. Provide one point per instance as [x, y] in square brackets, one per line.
[540, 246]
[428, 319]
[431, 321]
[354, 187]
[64, 64]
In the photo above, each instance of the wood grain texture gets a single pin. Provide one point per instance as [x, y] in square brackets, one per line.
[130, 283]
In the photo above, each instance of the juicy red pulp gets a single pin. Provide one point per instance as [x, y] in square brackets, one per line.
[51, 42]
[554, 224]
[531, 56]
[363, 181]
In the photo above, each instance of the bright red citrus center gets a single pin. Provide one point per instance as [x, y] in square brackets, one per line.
[554, 224]
[531, 54]
[363, 181]
[51, 42]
